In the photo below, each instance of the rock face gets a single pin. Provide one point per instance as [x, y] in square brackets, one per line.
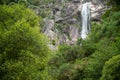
[65, 26]
[49, 24]
[98, 7]
[74, 34]
[70, 9]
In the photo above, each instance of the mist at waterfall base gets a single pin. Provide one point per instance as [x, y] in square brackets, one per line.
[85, 20]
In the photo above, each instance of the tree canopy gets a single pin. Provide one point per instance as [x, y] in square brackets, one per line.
[23, 48]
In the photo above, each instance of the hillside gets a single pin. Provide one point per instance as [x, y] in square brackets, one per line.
[59, 40]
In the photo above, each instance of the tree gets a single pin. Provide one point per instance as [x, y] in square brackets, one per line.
[61, 65]
[23, 49]
[105, 37]
[111, 69]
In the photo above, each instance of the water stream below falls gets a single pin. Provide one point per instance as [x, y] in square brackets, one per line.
[85, 20]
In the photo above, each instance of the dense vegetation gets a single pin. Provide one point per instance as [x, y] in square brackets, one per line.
[23, 48]
[24, 54]
[97, 58]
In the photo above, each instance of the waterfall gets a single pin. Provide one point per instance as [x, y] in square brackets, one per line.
[85, 20]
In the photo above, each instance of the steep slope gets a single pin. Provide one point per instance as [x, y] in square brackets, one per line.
[63, 21]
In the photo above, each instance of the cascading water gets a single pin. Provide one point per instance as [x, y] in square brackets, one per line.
[85, 20]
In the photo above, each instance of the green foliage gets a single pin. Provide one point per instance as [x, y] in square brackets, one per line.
[11, 14]
[66, 72]
[86, 62]
[115, 6]
[109, 28]
[66, 54]
[106, 14]
[104, 40]
[61, 64]
[71, 53]
[59, 27]
[111, 69]
[23, 49]
[89, 47]
[79, 67]
[97, 59]
[114, 2]
[24, 52]
[7, 1]
[40, 2]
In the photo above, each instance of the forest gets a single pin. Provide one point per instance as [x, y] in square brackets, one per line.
[25, 54]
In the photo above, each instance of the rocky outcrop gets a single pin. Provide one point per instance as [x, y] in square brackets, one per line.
[49, 24]
[67, 14]
[74, 34]
[98, 7]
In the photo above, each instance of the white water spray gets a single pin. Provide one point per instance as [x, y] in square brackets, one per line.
[85, 20]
